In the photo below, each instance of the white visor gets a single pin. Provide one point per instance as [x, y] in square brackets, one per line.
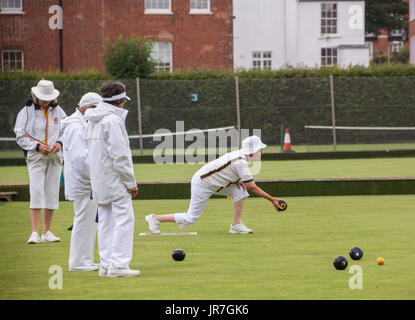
[117, 97]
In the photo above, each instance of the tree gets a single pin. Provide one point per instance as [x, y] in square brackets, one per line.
[128, 59]
[386, 14]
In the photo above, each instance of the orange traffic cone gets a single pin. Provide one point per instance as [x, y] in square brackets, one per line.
[287, 142]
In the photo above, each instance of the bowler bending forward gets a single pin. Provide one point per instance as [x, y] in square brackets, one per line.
[228, 175]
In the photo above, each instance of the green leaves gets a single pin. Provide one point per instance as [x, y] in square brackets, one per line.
[128, 59]
[386, 15]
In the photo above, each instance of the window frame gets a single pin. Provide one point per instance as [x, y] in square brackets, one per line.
[3, 60]
[14, 10]
[200, 11]
[325, 57]
[158, 11]
[329, 24]
[396, 46]
[370, 46]
[157, 69]
[261, 60]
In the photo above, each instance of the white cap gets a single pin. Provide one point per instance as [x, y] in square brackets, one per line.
[45, 91]
[90, 99]
[252, 144]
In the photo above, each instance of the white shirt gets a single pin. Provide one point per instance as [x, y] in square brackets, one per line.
[41, 126]
[224, 171]
[109, 154]
[75, 153]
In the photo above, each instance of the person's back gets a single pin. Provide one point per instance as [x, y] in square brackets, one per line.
[109, 157]
[113, 181]
[75, 153]
[223, 171]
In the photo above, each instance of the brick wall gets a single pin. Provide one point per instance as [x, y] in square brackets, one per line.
[198, 40]
[30, 32]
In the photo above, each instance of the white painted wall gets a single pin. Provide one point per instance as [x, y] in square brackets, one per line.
[352, 56]
[292, 31]
[257, 27]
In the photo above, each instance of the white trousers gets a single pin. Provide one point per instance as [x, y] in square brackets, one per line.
[116, 233]
[44, 184]
[84, 230]
[199, 198]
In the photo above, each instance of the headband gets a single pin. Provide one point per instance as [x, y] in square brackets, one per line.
[117, 97]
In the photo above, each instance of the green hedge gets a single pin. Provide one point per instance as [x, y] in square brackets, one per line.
[15, 93]
[380, 95]
[375, 70]
[335, 187]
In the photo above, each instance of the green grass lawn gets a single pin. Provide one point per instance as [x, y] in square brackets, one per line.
[289, 256]
[295, 169]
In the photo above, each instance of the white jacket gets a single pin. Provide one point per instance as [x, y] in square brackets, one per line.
[32, 119]
[75, 153]
[109, 154]
[225, 170]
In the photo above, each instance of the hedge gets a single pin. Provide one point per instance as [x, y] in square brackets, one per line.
[281, 188]
[374, 70]
[380, 95]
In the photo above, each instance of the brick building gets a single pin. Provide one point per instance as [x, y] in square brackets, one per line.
[386, 42]
[193, 34]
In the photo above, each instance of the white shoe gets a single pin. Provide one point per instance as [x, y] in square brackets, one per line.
[34, 238]
[49, 237]
[126, 273]
[103, 272]
[85, 268]
[153, 224]
[240, 228]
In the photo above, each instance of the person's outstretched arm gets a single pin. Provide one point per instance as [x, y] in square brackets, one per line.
[251, 186]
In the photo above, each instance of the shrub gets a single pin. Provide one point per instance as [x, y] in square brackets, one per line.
[128, 59]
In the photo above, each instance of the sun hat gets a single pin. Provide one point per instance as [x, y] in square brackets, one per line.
[90, 99]
[45, 90]
[252, 144]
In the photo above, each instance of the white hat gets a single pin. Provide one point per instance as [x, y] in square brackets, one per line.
[252, 144]
[45, 91]
[90, 99]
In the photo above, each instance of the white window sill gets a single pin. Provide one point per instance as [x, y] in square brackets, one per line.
[158, 12]
[11, 12]
[200, 12]
[329, 36]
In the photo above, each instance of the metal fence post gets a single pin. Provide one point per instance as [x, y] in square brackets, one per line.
[333, 115]
[140, 124]
[238, 111]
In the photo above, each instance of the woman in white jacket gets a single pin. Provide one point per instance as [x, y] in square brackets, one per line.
[37, 132]
[112, 179]
[78, 186]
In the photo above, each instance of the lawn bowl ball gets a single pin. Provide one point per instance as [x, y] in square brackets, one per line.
[356, 253]
[178, 254]
[283, 205]
[340, 263]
